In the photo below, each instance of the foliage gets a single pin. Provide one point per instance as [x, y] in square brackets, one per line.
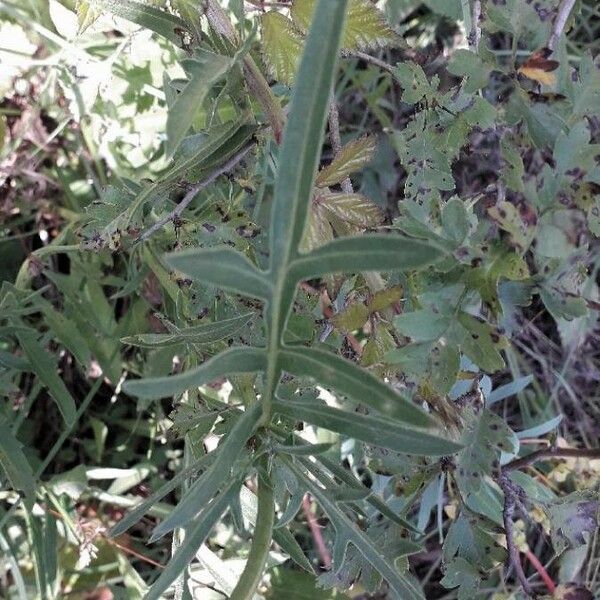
[274, 318]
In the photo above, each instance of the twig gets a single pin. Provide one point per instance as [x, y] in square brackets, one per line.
[475, 34]
[519, 463]
[507, 516]
[373, 60]
[191, 194]
[316, 532]
[564, 10]
[336, 139]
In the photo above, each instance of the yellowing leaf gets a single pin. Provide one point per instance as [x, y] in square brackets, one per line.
[351, 158]
[366, 27]
[384, 298]
[539, 75]
[282, 46]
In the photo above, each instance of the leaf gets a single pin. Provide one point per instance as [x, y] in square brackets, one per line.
[195, 536]
[385, 433]
[344, 376]
[416, 86]
[459, 573]
[373, 252]
[139, 510]
[423, 325]
[478, 341]
[228, 362]
[486, 435]
[44, 367]
[366, 28]
[573, 519]
[347, 533]
[281, 46]
[234, 273]
[15, 464]
[466, 63]
[200, 334]
[351, 158]
[159, 21]
[213, 479]
[350, 209]
[204, 70]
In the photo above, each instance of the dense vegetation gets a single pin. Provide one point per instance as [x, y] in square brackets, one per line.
[300, 299]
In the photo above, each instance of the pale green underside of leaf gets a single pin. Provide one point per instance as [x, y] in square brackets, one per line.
[352, 158]
[376, 252]
[335, 372]
[215, 477]
[373, 430]
[224, 268]
[234, 360]
[15, 464]
[200, 334]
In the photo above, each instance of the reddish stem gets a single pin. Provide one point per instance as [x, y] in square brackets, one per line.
[539, 567]
[315, 531]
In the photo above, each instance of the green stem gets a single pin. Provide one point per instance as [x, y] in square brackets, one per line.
[263, 534]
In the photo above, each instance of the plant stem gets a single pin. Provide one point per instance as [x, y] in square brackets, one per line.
[564, 10]
[374, 61]
[519, 463]
[263, 534]
[507, 516]
[316, 532]
[255, 80]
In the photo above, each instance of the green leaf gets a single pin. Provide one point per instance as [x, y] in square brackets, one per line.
[224, 268]
[351, 158]
[281, 45]
[353, 210]
[344, 376]
[213, 479]
[366, 28]
[466, 63]
[194, 538]
[416, 86]
[136, 513]
[228, 362]
[377, 431]
[425, 325]
[485, 437]
[347, 533]
[15, 464]
[200, 334]
[204, 70]
[374, 252]
[459, 573]
[477, 340]
[159, 21]
[303, 135]
[44, 367]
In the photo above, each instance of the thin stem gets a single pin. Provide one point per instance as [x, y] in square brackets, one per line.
[507, 516]
[178, 210]
[336, 139]
[519, 463]
[261, 543]
[255, 80]
[539, 567]
[374, 61]
[316, 532]
[564, 10]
